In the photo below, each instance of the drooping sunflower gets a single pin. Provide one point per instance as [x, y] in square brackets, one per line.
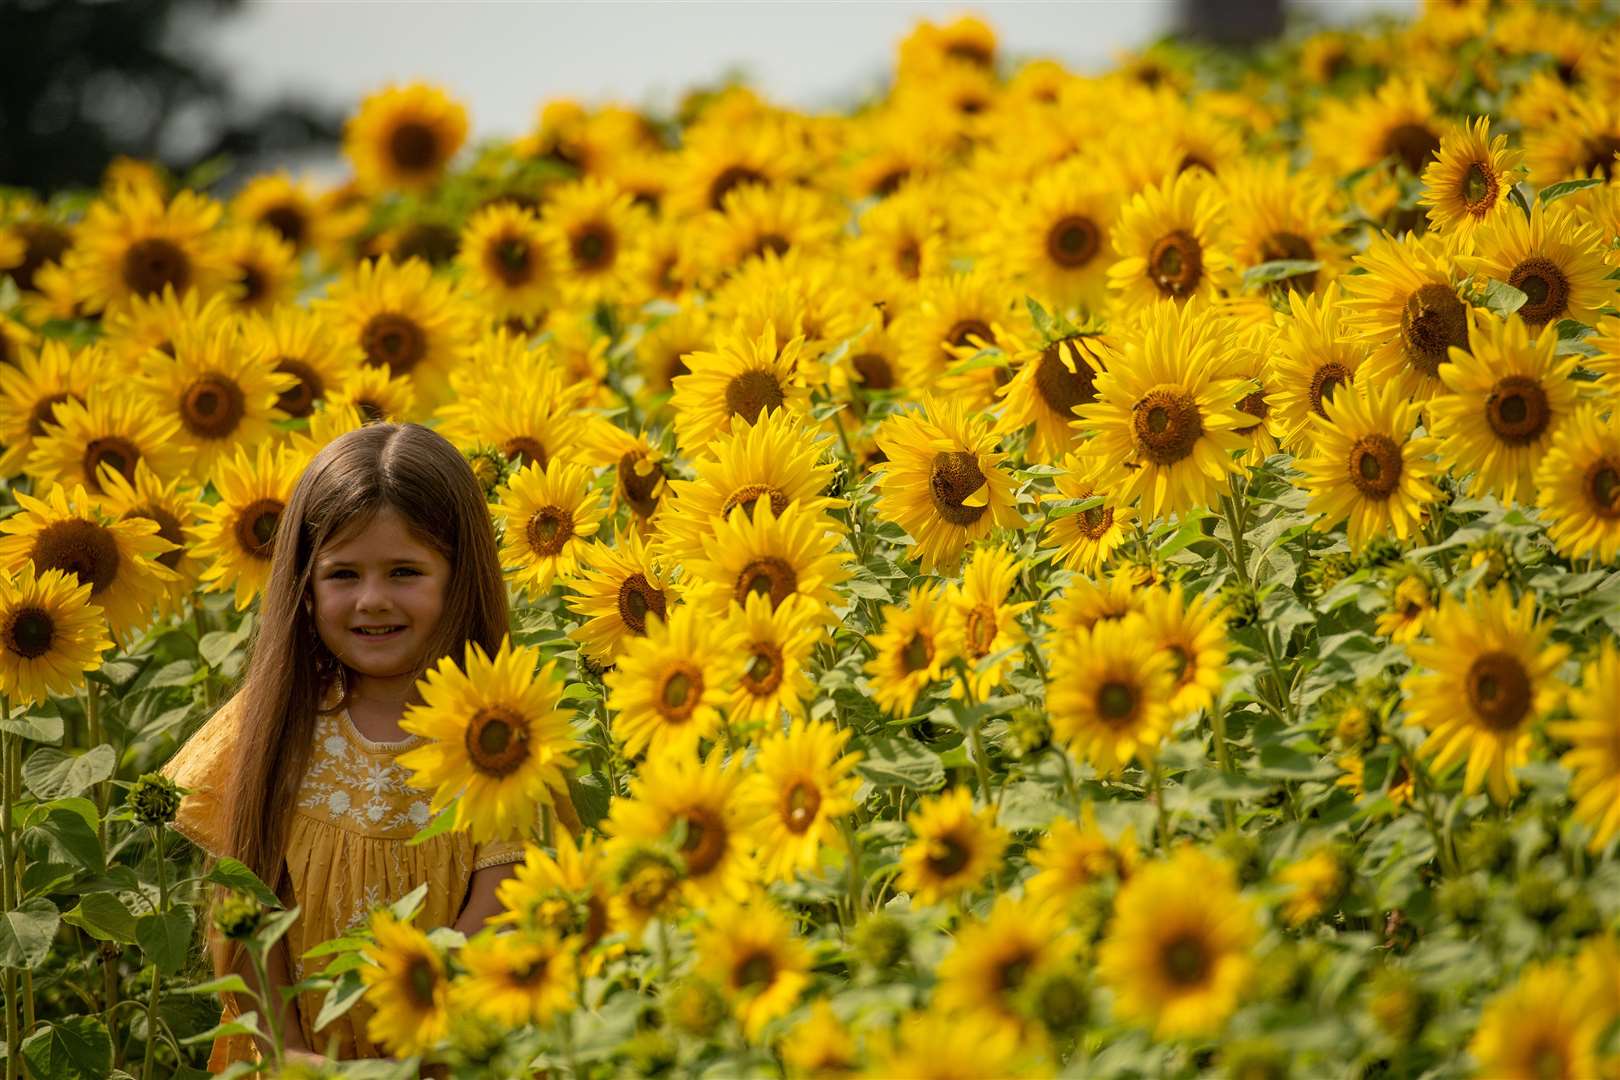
[1537, 1028]
[1167, 240]
[619, 588]
[779, 459]
[498, 742]
[752, 953]
[402, 319]
[982, 622]
[548, 514]
[778, 556]
[223, 397]
[739, 377]
[942, 480]
[1314, 356]
[118, 431]
[1509, 395]
[505, 264]
[802, 785]
[1193, 633]
[1408, 309]
[1410, 597]
[32, 388]
[639, 468]
[668, 686]
[1055, 237]
[261, 269]
[1480, 683]
[770, 648]
[50, 635]
[1109, 693]
[996, 958]
[293, 341]
[133, 244]
[1468, 184]
[1051, 382]
[1085, 540]
[913, 650]
[592, 230]
[567, 895]
[1177, 954]
[408, 984]
[1594, 755]
[1168, 412]
[118, 559]
[1073, 856]
[1367, 467]
[403, 137]
[515, 979]
[1578, 486]
[955, 847]
[1553, 257]
[702, 800]
[238, 533]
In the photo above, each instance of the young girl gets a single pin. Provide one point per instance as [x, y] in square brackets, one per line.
[384, 561]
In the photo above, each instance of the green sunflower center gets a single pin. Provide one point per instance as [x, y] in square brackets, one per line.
[764, 671]
[1601, 483]
[1479, 189]
[256, 527]
[497, 740]
[754, 971]
[705, 843]
[1324, 380]
[1374, 466]
[421, 981]
[1117, 702]
[680, 692]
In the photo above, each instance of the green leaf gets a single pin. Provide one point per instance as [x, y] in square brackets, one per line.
[165, 938]
[1503, 299]
[443, 823]
[275, 926]
[591, 798]
[26, 933]
[1278, 270]
[246, 1024]
[234, 874]
[52, 774]
[1554, 192]
[340, 998]
[72, 1048]
[901, 762]
[216, 647]
[35, 728]
[179, 673]
[1043, 322]
[406, 907]
[104, 917]
[76, 837]
[116, 673]
[229, 984]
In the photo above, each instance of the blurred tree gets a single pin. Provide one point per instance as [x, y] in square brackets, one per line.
[82, 81]
[1232, 22]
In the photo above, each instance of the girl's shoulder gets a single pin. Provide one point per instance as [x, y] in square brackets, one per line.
[203, 768]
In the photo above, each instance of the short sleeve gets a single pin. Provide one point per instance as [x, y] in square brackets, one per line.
[203, 767]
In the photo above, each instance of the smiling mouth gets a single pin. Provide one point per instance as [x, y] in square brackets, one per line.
[377, 631]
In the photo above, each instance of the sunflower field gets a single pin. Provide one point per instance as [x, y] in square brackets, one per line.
[1042, 574]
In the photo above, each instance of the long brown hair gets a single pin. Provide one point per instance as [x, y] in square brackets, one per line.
[414, 472]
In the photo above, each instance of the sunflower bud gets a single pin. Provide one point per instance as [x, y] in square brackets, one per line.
[238, 916]
[1059, 999]
[649, 1053]
[154, 799]
[1326, 571]
[882, 941]
[1243, 851]
[490, 468]
[1255, 1061]
[1398, 1005]
[1380, 550]
[1488, 847]
[1539, 897]
[1462, 900]
[697, 1008]
[1027, 732]
[1241, 604]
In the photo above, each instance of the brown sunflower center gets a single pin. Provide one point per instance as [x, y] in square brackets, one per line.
[169, 528]
[510, 258]
[432, 242]
[593, 246]
[1185, 960]
[948, 855]
[1545, 287]
[731, 178]
[1374, 466]
[917, 653]
[1324, 380]
[750, 392]
[705, 842]
[29, 632]
[954, 477]
[44, 411]
[767, 576]
[1479, 189]
[1073, 241]
[81, 548]
[800, 804]
[1499, 690]
[152, 264]
[638, 486]
[1412, 145]
[748, 497]
[299, 399]
[1253, 404]
[1601, 483]
[1176, 263]
[1095, 523]
[549, 530]
[421, 982]
[908, 260]
[680, 691]
[394, 341]
[413, 146]
[1167, 425]
[874, 371]
[43, 243]
[1295, 248]
[212, 406]
[754, 971]
[118, 454]
[637, 598]
[526, 450]
[1517, 410]
[1117, 702]
[1063, 390]
[497, 740]
[775, 243]
[763, 674]
[979, 631]
[1433, 321]
[1600, 152]
[962, 333]
[1010, 971]
[254, 282]
[649, 884]
[1178, 665]
[287, 219]
[256, 527]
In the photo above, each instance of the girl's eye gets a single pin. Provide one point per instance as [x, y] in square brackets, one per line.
[408, 570]
[341, 574]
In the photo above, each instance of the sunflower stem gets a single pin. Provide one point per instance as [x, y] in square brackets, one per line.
[8, 888]
[1423, 798]
[1223, 760]
[852, 884]
[157, 976]
[272, 1008]
[663, 949]
[1156, 779]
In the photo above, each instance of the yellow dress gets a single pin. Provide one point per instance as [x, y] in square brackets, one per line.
[346, 852]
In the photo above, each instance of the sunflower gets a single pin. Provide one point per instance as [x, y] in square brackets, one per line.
[618, 587]
[1313, 356]
[16, 341]
[174, 506]
[515, 979]
[117, 559]
[499, 745]
[1479, 684]
[1316, 884]
[942, 481]
[157, 322]
[935, 1045]
[955, 847]
[639, 467]
[1261, 428]
[547, 514]
[407, 984]
[371, 394]
[953, 318]
[402, 319]
[904, 236]
[567, 895]
[1166, 239]
[1275, 214]
[1408, 310]
[1578, 486]
[1594, 756]
[1509, 395]
[1536, 1028]
[261, 268]
[288, 207]
[801, 787]
[791, 554]
[1396, 125]
[1109, 693]
[770, 649]
[403, 137]
[700, 800]
[752, 953]
[667, 687]
[1468, 184]
[662, 350]
[741, 377]
[238, 533]
[32, 388]
[117, 431]
[50, 635]
[45, 237]
[514, 397]
[1177, 954]
[292, 341]
[995, 959]
[756, 222]
[1410, 596]
[505, 264]
[1193, 633]
[592, 233]
[1073, 856]
[1051, 382]
[780, 460]
[819, 1045]
[1552, 257]
[1055, 237]
[912, 652]
[981, 622]
[1367, 466]
[1581, 142]
[717, 159]
[1168, 413]
[1085, 541]
[132, 244]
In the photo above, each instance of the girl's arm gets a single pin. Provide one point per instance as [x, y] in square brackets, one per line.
[481, 902]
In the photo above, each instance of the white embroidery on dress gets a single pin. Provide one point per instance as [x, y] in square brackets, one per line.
[349, 787]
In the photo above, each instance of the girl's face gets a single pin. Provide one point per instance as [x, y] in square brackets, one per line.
[378, 595]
